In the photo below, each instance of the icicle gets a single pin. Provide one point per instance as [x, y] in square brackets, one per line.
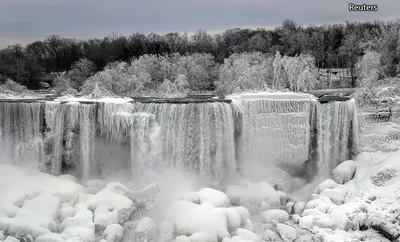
[113, 125]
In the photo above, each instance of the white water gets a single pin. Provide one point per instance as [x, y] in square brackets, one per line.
[87, 126]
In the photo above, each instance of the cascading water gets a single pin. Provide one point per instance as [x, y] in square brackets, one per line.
[145, 145]
[212, 139]
[21, 133]
[337, 134]
[87, 126]
[196, 136]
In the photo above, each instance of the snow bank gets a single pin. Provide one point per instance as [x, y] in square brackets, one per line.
[24, 182]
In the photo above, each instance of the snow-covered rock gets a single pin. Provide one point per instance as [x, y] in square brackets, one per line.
[275, 214]
[145, 231]
[65, 212]
[298, 208]
[270, 235]
[203, 237]
[113, 233]
[329, 183]
[189, 218]
[52, 237]
[182, 238]
[286, 232]
[247, 235]
[213, 197]
[119, 207]
[289, 207]
[337, 195]
[233, 218]
[344, 172]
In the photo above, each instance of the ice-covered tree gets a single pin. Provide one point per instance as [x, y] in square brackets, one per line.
[297, 68]
[368, 69]
[199, 69]
[80, 71]
[245, 71]
[121, 79]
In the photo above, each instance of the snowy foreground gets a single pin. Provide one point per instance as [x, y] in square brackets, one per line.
[361, 203]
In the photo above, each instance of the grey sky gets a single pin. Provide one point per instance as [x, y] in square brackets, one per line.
[23, 21]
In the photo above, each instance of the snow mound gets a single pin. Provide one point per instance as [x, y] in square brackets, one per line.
[329, 183]
[146, 230]
[203, 237]
[286, 232]
[24, 183]
[189, 218]
[105, 200]
[243, 235]
[213, 197]
[344, 172]
[113, 233]
[275, 214]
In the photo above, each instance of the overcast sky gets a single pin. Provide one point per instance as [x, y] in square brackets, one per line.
[23, 21]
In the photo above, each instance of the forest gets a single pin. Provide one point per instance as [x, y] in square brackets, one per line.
[287, 57]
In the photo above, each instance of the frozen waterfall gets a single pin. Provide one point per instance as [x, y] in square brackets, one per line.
[273, 130]
[21, 133]
[253, 133]
[196, 136]
[337, 134]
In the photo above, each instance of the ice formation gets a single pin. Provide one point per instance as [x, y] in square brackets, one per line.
[196, 136]
[337, 134]
[274, 129]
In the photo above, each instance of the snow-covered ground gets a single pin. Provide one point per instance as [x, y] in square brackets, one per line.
[361, 203]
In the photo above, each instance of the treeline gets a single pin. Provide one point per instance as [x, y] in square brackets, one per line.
[332, 46]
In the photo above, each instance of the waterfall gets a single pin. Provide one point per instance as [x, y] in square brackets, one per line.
[87, 126]
[144, 142]
[273, 131]
[196, 136]
[21, 140]
[253, 134]
[337, 134]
